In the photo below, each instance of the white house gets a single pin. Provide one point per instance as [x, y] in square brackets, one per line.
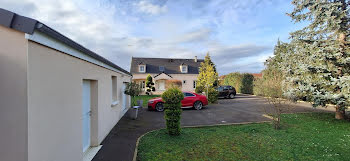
[57, 98]
[166, 72]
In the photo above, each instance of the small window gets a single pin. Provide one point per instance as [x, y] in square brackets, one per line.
[161, 68]
[184, 82]
[141, 68]
[184, 69]
[194, 84]
[188, 95]
[142, 84]
[114, 89]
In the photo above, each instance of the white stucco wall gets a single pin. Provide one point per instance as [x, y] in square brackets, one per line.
[55, 103]
[13, 95]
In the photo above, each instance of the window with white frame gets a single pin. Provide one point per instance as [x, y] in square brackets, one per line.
[143, 84]
[142, 68]
[114, 89]
[183, 68]
[194, 83]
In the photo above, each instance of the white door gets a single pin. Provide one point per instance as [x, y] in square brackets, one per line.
[86, 114]
[161, 85]
[124, 97]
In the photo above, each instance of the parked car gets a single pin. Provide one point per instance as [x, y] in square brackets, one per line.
[191, 100]
[226, 92]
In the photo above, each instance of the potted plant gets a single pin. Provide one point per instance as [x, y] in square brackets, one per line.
[133, 89]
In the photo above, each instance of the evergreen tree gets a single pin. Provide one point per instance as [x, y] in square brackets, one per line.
[270, 85]
[317, 67]
[208, 77]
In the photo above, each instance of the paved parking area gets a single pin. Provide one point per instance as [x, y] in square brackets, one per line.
[120, 142]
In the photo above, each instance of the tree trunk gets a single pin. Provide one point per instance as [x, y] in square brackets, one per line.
[339, 113]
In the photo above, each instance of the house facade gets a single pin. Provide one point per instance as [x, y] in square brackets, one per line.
[58, 100]
[166, 72]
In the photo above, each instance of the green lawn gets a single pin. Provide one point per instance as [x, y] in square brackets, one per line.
[314, 136]
[145, 98]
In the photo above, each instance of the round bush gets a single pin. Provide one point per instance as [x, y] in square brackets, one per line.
[172, 96]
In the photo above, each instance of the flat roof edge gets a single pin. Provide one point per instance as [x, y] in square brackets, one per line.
[17, 22]
[28, 25]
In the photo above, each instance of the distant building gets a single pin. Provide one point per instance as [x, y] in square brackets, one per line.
[165, 72]
[257, 75]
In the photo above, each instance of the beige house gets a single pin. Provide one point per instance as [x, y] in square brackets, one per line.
[58, 100]
[166, 72]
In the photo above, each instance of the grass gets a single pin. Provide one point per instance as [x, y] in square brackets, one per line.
[145, 98]
[312, 136]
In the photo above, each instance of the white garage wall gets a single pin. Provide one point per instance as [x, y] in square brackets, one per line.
[54, 103]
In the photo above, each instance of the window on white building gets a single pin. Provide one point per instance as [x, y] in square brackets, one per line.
[142, 68]
[194, 83]
[143, 84]
[183, 68]
[114, 89]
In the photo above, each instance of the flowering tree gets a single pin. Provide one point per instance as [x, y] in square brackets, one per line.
[317, 67]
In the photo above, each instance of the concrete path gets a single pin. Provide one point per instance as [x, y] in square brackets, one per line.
[120, 143]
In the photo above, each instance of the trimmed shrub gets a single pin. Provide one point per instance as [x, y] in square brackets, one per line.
[234, 80]
[212, 95]
[247, 83]
[172, 113]
[149, 85]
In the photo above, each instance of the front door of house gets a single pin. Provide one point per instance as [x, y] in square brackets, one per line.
[86, 113]
[161, 85]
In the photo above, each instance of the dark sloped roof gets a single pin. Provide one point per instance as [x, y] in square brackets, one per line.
[28, 25]
[171, 65]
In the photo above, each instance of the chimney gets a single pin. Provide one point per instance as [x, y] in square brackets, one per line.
[195, 59]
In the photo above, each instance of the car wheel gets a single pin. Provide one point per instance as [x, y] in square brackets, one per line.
[232, 96]
[159, 107]
[198, 105]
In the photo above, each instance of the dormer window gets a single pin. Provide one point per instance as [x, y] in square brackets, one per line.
[142, 68]
[184, 68]
[161, 68]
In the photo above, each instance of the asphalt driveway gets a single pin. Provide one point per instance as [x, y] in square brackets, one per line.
[121, 141]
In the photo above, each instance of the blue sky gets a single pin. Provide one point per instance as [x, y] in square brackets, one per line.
[238, 34]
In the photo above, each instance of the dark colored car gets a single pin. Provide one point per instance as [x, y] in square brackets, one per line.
[226, 91]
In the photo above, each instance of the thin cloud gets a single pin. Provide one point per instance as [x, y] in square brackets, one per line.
[149, 8]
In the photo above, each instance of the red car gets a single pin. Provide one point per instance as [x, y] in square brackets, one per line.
[191, 99]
